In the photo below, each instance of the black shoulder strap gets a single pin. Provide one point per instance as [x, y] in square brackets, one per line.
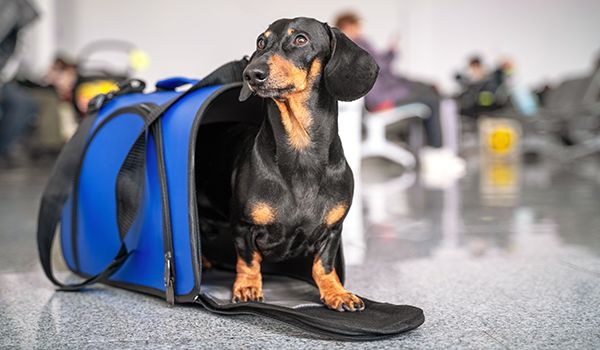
[55, 195]
[128, 189]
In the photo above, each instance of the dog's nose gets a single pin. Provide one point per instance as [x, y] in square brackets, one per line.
[255, 75]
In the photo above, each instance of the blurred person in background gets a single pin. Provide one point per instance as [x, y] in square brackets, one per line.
[56, 119]
[391, 90]
[484, 90]
[475, 69]
[62, 75]
[17, 108]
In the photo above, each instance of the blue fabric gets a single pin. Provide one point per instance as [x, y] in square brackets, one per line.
[97, 234]
[98, 238]
[177, 129]
[174, 83]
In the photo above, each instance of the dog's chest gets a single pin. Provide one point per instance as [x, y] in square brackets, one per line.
[283, 240]
[296, 221]
[293, 232]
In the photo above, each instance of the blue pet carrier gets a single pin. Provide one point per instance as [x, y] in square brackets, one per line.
[123, 191]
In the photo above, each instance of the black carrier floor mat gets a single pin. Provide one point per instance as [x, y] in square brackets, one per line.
[297, 303]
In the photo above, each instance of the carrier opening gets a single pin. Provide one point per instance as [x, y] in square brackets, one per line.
[227, 127]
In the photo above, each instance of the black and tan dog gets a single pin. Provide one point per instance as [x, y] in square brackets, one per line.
[291, 186]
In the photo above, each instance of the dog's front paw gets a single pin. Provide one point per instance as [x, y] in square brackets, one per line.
[343, 301]
[247, 291]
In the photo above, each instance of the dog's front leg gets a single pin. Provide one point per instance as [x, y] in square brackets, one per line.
[248, 279]
[333, 294]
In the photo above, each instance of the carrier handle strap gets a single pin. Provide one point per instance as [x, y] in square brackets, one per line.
[60, 186]
[55, 195]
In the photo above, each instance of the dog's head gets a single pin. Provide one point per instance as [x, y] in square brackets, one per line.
[293, 54]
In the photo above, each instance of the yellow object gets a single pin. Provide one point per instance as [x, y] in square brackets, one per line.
[486, 98]
[139, 60]
[89, 89]
[501, 175]
[501, 139]
[500, 182]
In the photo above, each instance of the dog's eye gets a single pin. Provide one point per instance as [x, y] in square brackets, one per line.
[260, 43]
[300, 40]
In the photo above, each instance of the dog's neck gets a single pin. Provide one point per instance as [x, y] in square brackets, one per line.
[301, 131]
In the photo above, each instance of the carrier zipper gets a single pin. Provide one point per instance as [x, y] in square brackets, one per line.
[169, 279]
[169, 276]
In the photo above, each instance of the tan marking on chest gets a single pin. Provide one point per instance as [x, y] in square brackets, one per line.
[262, 214]
[296, 120]
[295, 114]
[335, 214]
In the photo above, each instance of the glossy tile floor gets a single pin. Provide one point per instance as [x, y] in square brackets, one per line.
[508, 257]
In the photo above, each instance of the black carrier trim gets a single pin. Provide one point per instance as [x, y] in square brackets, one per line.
[169, 272]
[195, 246]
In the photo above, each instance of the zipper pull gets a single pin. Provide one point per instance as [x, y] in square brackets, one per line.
[169, 279]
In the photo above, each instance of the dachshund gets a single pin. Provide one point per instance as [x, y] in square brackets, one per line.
[290, 185]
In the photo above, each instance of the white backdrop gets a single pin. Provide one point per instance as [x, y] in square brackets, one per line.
[546, 38]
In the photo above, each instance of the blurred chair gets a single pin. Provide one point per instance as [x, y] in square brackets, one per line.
[47, 136]
[567, 127]
[377, 145]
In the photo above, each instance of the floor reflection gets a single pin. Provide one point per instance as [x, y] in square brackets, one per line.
[498, 208]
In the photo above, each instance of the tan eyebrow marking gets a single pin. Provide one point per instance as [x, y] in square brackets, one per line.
[267, 33]
[290, 31]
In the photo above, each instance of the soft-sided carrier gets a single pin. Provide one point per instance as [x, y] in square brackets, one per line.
[123, 191]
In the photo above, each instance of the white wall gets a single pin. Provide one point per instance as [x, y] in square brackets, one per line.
[185, 37]
[546, 38]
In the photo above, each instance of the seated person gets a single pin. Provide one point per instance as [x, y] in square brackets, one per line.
[391, 90]
[475, 70]
[482, 90]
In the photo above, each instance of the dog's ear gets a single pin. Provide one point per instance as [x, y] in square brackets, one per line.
[245, 92]
[351, 71]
